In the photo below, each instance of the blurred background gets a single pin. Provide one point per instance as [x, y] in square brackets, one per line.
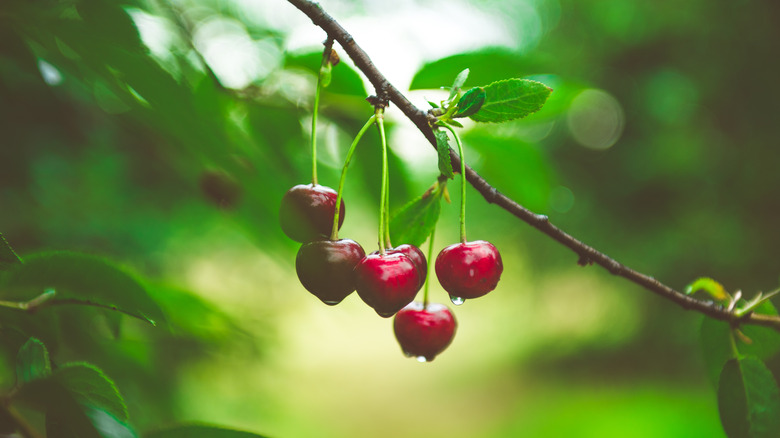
[163, 134]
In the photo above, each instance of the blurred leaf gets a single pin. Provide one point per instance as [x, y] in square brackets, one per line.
[512, 99]
[32, 362]
[458, 83]
[82, 278]
[443, 148]
[345, 80]
[712, 287]
[76, 421]
[471, 102]
[79, 401]
[487, 65]
[111, 22]
[91, 387]
[7, 254]
[200, 431]
[415, 221]
[763, 343]
[749, 400]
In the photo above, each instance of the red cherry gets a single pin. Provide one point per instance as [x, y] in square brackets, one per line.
[424, 333]
[307, 210]
[469, 270]
[416, 255]
[387, 282]
[326, 268]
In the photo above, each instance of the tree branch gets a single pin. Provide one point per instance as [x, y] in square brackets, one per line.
[587, 254]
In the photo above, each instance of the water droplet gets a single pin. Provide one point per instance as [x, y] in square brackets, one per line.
[421, 359]
[457, 300]
[331, 303]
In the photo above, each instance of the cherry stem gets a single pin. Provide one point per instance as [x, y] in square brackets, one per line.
[325, 60]
[387, 212]
[430, 266]
[334, 234]
[385, 184]
[462, 185]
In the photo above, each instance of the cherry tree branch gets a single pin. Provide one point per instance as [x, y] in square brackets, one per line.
[587, 254]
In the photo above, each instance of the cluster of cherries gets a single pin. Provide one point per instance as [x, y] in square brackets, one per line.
[388, 280]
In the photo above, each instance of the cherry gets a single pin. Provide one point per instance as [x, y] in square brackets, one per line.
[469, 270]
[417, 257]
[326, 268]
[387, 282]
[424, 332]
[307, 210]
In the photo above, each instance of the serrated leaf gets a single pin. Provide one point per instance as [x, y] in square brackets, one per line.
[712, 287]
[748, 400]
[91, 387]
[78, 421]
[460, 79]
[201, 431]
[82, 278]
[32, 362]
[471, 102]
[443, 148]
[511, 99]
[415, 221]
[8, 256]
[758, 341]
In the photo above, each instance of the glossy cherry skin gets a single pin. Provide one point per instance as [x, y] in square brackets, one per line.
[326, 268]
[307, 210]
[387, 282]
[469, 270]
[424, 333]
[416, 255]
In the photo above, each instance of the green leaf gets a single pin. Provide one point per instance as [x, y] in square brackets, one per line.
[415, 221]
[488, 65]
[200, 431]
[471, 102]
[32, 362]
[458, 83]
[748, 400]
[8, 256]
[80, 278]
[511, 99]
[79, 401]
[443, 147]
[761, 342]
[712, 287]
[91, 387]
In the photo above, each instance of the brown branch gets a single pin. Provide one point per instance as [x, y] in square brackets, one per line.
[587, 254]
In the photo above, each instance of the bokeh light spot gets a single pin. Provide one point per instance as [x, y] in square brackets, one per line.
[595, 119]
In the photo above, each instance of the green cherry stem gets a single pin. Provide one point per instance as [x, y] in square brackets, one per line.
[430, 268]
[334, 234]
[385, 185]
[387, 212]
[462, 185]
[315, 109]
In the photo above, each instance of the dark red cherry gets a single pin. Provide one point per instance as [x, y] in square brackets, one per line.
[326, 268]
[469, 270]
[416, 255]
[424, 332]
[387, 282]
[307, 211]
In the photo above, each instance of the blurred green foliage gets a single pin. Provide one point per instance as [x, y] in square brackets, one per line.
[122, 134]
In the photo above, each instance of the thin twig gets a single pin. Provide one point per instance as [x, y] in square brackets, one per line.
[587, 254]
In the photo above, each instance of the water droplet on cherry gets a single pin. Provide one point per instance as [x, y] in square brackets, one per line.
[421, 359]
[457, 300]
